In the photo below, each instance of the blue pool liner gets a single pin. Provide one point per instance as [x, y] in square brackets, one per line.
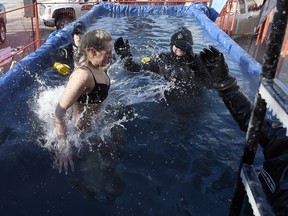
[24, 73]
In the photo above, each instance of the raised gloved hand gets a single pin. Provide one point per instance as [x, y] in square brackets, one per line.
[217, 68]
[61, 69]
[122, 48]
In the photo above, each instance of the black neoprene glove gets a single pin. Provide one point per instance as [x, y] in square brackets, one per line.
[122, 48]
[217, 68]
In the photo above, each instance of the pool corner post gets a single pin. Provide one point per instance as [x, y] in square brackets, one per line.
[38, 44]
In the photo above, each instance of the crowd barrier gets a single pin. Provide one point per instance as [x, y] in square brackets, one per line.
[20, 38]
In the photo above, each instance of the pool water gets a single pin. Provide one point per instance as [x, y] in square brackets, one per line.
[171, 159]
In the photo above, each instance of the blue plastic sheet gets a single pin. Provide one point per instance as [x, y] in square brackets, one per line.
[24, 72]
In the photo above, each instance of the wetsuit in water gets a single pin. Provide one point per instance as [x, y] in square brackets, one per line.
[272, 137]
[187, 71]
[64, 56]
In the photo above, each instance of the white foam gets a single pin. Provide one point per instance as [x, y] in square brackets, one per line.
[126, 90]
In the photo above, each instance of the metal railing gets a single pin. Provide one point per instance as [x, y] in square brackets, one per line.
[245, 180]
[22, 35]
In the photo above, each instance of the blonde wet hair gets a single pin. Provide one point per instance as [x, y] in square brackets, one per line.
[94, 38]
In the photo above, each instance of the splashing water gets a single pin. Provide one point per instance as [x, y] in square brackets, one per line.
[176, 162]
[45, 104]
[126, 90]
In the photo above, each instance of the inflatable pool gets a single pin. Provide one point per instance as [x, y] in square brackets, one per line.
[175, 160]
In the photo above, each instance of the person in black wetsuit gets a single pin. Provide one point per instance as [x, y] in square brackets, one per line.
[86, 89]
[181, 65]
[65, 54]
[273, 139]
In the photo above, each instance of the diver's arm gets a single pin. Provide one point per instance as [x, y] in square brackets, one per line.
[123, 50]
[217, 70]
[63, 59]
[131, 65]
[202, 75]
[147, 63]
[64, 54]
[237, 103]
[272, 137]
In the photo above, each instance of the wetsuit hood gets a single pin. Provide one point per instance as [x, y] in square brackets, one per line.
[79, 28]
[182, 39]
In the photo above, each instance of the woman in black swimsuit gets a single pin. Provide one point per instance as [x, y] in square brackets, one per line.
[87, 88]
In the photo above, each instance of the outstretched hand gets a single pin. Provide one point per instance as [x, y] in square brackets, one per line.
[64, 159]
[217, 68]
[215, 63]
[122, 48]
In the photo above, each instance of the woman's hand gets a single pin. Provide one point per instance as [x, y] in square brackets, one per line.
[64, 157]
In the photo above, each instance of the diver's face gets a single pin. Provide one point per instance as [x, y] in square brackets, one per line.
[77, 38]
[178, 51]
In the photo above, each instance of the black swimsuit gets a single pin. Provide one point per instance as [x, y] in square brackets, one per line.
[97, 95]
